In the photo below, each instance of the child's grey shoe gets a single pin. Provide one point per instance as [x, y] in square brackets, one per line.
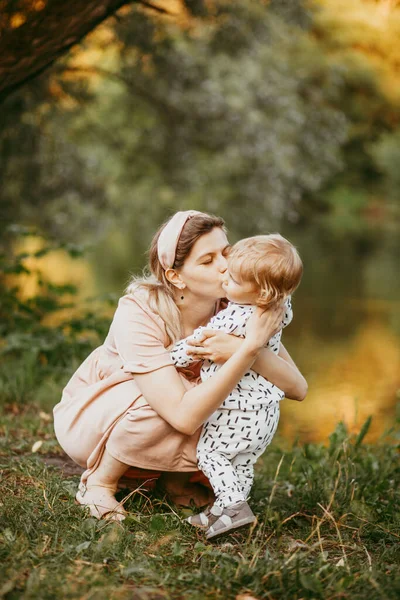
[206, 518]
[232, 517]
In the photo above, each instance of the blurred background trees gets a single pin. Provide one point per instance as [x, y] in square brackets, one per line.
[284, 101]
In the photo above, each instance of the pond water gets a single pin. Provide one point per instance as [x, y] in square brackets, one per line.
[345, 335]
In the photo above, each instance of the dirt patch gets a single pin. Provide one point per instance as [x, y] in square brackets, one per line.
[64, 463]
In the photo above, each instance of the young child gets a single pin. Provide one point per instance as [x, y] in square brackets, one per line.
[262, 271]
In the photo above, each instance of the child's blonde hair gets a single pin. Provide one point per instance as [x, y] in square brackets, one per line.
[271, 262]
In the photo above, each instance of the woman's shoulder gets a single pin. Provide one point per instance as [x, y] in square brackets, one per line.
[137, 303]
[137, 300]
[138, 297]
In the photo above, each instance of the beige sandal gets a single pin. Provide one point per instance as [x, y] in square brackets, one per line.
[100, 504]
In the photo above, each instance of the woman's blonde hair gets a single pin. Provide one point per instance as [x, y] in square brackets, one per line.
[160, 291]
[271, 262]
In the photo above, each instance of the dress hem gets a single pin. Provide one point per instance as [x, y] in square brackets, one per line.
[148, 466]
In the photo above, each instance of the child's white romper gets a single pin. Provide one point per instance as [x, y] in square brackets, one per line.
[238, 432]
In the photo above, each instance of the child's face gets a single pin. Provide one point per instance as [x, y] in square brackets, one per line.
[240, 292]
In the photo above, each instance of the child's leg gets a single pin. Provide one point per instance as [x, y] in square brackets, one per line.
[264, 425]
[230, 444]
[254, 431]
[215, 450]
[223, 478]
[270, 426]
[231, 509]
[244, 467]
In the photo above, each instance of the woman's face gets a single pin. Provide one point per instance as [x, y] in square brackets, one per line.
[204, 269]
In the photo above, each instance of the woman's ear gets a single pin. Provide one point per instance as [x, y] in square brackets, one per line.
[174, 278]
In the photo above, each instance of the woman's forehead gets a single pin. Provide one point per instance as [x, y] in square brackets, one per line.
[213, 241]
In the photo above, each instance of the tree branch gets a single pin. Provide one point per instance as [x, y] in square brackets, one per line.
[32, 41]
[132, 86]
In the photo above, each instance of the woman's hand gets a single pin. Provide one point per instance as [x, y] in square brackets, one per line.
[216, 346]
[263, 324]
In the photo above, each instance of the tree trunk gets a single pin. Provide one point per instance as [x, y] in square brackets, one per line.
[33, 35]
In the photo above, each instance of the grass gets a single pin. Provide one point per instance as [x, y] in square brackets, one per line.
[328, 527]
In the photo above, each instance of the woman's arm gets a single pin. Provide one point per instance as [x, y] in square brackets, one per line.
[187, 410]
[279, 369]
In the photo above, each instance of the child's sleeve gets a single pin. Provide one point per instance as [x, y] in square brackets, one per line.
[223, 321]
[179, 355]
[275, 341]
[230, 320]
[288, 316]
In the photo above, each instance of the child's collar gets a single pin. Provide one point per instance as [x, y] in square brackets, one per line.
[252, 306]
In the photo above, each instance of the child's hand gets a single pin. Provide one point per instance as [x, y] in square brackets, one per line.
[264, 324]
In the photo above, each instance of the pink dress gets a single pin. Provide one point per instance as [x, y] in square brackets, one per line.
[101, 405]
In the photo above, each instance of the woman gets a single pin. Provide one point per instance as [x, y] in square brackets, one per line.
[127, 405]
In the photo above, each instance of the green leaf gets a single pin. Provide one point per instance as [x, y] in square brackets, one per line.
[363, 432]
[310, 583]
[157, 523]
[83, 546]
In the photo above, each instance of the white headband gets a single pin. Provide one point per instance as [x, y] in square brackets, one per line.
[169, 237]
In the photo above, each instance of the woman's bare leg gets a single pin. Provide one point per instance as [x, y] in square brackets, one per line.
[105, 479]
[98, 492]
[108, 472]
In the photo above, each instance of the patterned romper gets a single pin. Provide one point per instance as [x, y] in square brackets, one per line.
[238, 432]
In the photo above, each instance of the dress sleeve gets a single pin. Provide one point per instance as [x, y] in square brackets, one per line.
[139, 337]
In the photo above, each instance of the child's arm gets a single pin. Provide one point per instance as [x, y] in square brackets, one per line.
[230, 320]
[179, 353]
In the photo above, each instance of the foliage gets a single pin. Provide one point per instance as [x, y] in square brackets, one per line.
[27, 337]
[363, 38]
[47, 182]
[366, 32]
[386, 152]
[245, 91]
[246, 94]
[272, 111]
[48, 29]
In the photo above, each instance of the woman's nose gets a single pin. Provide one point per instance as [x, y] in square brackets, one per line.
[223, 264]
